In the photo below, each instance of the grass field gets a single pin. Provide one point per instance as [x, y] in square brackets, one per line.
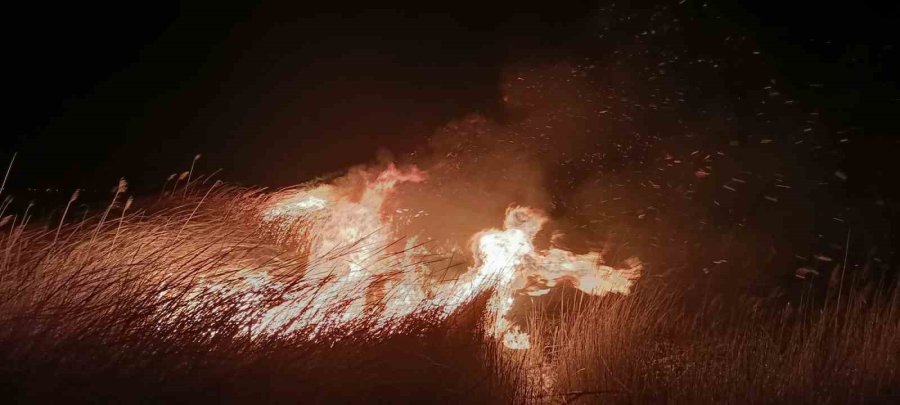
[133, 304]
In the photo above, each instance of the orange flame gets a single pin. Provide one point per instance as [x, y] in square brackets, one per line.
[351, 263]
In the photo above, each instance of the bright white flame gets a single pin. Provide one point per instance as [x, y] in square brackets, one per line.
[356, 276]
[507, 260]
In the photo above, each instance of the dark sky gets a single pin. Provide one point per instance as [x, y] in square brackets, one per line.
[277, 93]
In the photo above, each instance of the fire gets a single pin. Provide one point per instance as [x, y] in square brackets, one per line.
[509, 263]
[349, 240]
[359, 270]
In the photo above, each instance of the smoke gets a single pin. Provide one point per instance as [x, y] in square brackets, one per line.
[478, 166]
[626, 167]
[695, 159]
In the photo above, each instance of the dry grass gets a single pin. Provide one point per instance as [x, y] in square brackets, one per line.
[99, 314]
[657, 346]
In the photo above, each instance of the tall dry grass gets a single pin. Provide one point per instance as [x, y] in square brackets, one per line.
[659, 346]
[109, 311]
[106, 309]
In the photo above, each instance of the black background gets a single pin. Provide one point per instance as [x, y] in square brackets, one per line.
[277, 93]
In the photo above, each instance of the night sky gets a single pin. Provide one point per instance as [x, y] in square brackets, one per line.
[275, 94]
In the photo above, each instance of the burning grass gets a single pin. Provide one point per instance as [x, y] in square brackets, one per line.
[141, 308]
[195, 298]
